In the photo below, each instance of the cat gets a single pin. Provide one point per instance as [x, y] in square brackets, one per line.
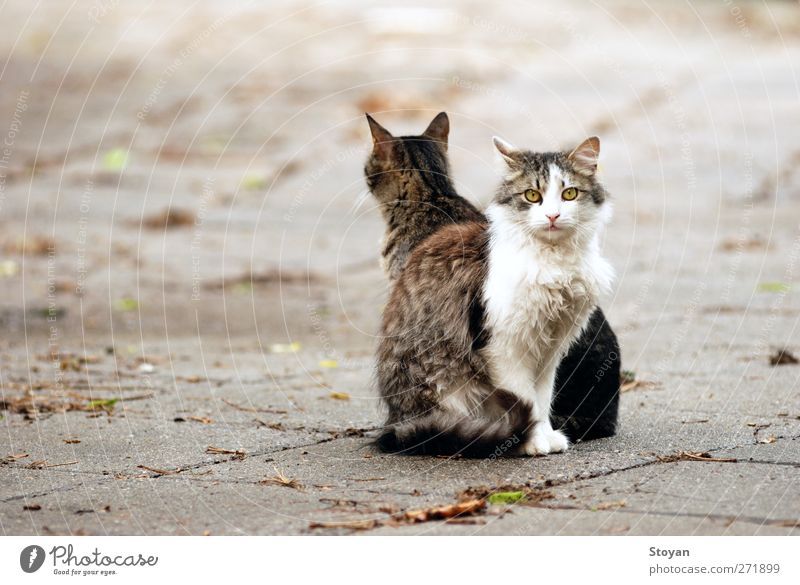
[410, 178]
[456, 386]
[544, 273]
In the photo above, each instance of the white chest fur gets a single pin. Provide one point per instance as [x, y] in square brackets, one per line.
[538, 297]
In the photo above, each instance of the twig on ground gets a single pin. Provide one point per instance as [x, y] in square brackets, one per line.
[237, 454]
[253, 409]
[694, 456]
[42, 464]
[161, 471]
[280, 479]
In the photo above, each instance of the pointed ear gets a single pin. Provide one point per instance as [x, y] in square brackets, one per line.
[584, 157]
[382, 139]
[439, 129]
[509, 153]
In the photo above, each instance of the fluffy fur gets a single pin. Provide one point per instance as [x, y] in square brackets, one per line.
[545, 274]
[431, 371]
[585, 404]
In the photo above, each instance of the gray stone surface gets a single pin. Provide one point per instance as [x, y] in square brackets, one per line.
[223, 332]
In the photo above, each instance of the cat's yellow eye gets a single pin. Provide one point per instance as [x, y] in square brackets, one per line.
[532, 196]
[569, 194]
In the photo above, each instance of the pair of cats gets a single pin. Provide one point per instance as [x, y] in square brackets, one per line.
[492, 335]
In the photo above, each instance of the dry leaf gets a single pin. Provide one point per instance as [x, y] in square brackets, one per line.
[742, 244]
[350, 524]
[280, 479]
[169, 218]
[237, 454]
[340, 395]
[783, 357]
[467, 520]
[201, 419]
[701, 456]
[160, 471]
[466, 508]
[636, 385]
[41, 464]
[31, 404]
[454, 513]
[610, 505]
[32, 246]
[786, 523]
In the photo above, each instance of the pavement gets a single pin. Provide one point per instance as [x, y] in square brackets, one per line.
[189, 277]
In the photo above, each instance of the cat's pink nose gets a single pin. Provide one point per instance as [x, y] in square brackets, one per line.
[553, 217]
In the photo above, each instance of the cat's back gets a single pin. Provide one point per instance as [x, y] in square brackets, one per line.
[434, 313]
[455, 254]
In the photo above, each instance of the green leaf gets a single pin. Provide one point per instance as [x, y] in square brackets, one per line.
[254, 182]
[103, 404]
[292, 347]
[115, 159]
[627, 376]
[774, 287]
[505, 498]
[126, 304]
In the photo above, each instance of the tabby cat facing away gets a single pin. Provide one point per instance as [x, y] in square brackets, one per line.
[410, 178]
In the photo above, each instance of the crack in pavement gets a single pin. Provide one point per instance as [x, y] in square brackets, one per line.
[109, 475]
[61, 489]
[658, 459]
[790, 523]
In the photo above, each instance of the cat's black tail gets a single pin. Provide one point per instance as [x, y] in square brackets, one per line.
[443, 433]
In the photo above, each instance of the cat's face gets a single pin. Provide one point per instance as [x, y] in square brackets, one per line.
[552, 196]
[396, 162]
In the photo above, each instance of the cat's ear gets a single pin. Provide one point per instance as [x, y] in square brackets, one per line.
[382, 139]
[584, 157]
[509, 153]
[439, 129]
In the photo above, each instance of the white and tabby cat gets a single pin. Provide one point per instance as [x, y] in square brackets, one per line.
[481, 315]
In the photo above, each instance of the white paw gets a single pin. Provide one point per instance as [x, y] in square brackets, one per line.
[546, 440]
[558, 441]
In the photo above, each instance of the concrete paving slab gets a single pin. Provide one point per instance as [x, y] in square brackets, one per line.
[252, 325]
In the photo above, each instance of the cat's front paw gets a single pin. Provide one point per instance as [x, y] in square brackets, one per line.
[558, 441]
[546, 440]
